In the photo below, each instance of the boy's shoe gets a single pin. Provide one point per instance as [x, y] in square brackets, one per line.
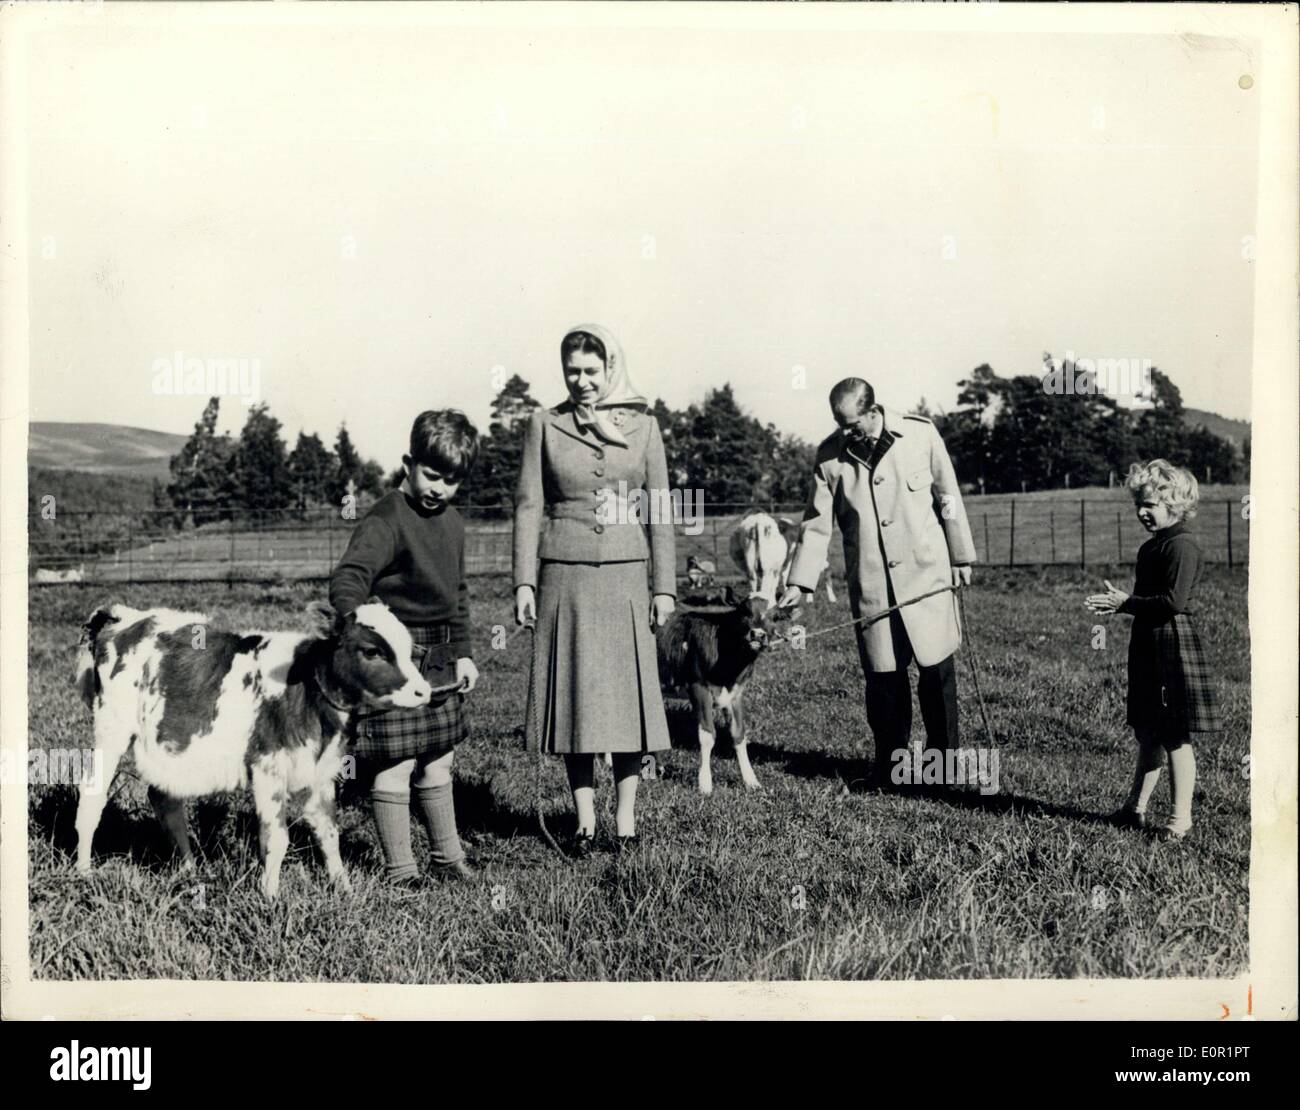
[460, 870]
[1128, 818]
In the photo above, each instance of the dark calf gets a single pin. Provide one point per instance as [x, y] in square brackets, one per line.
[711, 654]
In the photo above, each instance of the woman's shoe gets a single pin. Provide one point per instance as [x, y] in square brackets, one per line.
[1174, 832]
[582, 845]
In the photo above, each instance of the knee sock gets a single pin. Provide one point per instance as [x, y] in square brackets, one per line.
[1182, 780]
[627, 774]
[392, 811]
[438, 809]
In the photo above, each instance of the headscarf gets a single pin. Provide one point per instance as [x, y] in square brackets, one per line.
[619, 390]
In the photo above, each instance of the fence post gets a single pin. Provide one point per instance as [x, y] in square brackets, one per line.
[230, 575]
[130, 551]
[1119, 535]
[1051, 524]
[1228, 505]
[1083, 562]
[1011, 559]
[988, 555]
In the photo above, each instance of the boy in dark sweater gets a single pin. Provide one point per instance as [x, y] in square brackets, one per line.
[409, 552]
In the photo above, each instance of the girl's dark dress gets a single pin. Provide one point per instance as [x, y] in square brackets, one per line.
[1170, 687]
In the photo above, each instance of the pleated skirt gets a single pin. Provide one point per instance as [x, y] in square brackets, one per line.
[595, 677]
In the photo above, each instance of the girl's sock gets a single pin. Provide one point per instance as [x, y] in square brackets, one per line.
[1182, 778]
[1145, 778]
[627, 774]
[392, 811]
[438, 809]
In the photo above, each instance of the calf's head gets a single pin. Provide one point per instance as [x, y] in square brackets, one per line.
[751, 622]
[368, 655]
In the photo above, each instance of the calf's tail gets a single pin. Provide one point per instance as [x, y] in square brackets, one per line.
[88, 649]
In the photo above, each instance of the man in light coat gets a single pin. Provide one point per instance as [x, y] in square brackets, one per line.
[888, 481]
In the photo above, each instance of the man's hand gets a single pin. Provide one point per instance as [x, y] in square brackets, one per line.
[661, 608]
[466, 674]
[793, 596]
[1109, 602]
[525, 605]
[961, 576]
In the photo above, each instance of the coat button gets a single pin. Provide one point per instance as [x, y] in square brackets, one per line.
[600, 453]
[878, 481]
[599, 528]
[894, 562]
[599, 472]
[886, 523]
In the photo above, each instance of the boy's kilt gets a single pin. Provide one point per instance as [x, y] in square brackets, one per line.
[1171, 687]
[429, 730]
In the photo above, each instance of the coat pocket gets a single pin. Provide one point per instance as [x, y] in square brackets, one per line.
[920, 479]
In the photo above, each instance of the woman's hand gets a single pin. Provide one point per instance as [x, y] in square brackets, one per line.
[661, 609]
[1109, 602]
[525, 605]
[466, 674]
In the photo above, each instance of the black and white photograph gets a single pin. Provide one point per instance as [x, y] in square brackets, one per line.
[657, 497]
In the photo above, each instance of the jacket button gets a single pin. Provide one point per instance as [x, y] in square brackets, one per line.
[894, 562]
[599, 528]
[600, 453]
[599, 472]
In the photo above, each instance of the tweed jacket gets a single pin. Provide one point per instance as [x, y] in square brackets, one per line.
[904, 527]
[576, 495]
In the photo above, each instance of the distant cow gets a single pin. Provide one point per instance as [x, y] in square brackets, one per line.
[761, 547]
[711, 655]
[74, 574]
[209, 710]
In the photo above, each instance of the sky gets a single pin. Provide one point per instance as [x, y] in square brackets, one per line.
[397, 219]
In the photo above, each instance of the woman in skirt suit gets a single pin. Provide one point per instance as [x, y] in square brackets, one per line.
[580, 554]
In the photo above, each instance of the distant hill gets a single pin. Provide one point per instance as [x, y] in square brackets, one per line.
[1238, 431]
[101, 448]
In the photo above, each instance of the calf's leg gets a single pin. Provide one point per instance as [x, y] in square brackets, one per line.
[171, 812]
[319, 813]
[702, 702]
[269, 796]
[741, 745]
[112, 740]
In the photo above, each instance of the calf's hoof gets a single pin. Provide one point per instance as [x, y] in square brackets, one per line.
[706, 786]
[270, 887]
[752, 784]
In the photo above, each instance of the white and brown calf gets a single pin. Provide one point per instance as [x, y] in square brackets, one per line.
[711, 655]
[762, 548]
[210, 710]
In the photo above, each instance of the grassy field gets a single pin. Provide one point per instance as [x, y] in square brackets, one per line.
[815, 877]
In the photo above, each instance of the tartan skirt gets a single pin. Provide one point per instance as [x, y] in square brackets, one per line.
[595, 671]
[1170, 685]
[435, 729]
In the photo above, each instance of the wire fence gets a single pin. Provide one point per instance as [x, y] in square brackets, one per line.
[297, 544]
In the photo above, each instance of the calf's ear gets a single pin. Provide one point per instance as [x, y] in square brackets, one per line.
[323, 618]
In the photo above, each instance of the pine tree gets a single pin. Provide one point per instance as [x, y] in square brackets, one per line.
[201, 487]
[311, 466]
[263, 468]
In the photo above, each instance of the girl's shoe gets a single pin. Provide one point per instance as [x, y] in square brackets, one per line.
[1128, 818]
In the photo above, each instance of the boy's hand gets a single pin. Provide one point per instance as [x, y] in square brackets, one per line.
[661, 609]
[525, 605]
[466, 674]
[1109, 602]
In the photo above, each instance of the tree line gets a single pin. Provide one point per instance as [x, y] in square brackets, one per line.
[1004, 435]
